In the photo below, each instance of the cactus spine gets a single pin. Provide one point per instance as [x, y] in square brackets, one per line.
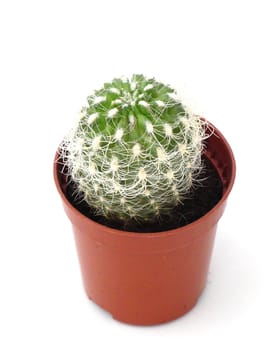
[135, 151]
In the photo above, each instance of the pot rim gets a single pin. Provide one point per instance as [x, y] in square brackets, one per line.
[170, 232]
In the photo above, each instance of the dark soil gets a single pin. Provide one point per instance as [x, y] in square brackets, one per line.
[200, 201]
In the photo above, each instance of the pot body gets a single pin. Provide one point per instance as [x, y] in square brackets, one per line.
[149, 278]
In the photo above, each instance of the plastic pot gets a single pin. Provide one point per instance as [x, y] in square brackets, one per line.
[149, 278]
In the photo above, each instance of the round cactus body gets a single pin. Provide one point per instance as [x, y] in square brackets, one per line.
[135, 151]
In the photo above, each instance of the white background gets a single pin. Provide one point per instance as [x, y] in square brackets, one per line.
[53, 53]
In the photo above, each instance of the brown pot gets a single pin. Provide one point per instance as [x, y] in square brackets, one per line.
[149, 278]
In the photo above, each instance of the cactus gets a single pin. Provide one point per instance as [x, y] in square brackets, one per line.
[135, 152]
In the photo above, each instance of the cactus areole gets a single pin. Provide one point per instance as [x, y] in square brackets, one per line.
[135, 151]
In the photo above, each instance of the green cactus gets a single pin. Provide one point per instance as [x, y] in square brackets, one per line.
[135, 151]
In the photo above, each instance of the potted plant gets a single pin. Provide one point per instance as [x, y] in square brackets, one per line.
[144, 182]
